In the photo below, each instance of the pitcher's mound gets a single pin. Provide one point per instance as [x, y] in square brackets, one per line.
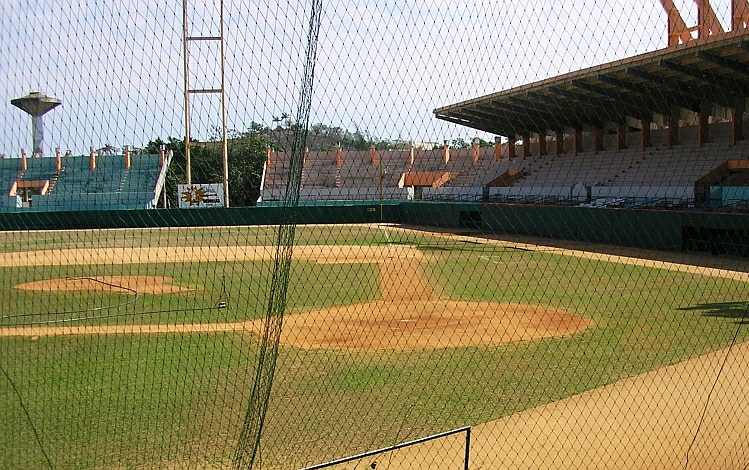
[430, 324]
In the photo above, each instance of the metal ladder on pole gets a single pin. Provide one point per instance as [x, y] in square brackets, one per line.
[187, 39]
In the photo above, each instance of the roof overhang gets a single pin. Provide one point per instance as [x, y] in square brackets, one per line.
[689, 76]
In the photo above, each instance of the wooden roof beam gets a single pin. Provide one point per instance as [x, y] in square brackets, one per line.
[502, 125]
[482, 126]
[534, 121]
[708, 78]
[673, 90]
[580, 114]
[630, 108]
[661, 101]
[720, 61]
[604, 114]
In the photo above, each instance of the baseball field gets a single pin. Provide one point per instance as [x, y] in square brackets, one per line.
[138, 348]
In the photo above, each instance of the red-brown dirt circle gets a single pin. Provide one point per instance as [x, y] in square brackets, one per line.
[427, 324]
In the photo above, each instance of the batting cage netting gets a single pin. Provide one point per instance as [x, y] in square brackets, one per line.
[374, 234]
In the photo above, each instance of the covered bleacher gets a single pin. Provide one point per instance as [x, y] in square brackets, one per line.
[638, 131]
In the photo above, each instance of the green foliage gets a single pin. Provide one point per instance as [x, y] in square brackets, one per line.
[485, 144]
[246, 154]
[459, 143]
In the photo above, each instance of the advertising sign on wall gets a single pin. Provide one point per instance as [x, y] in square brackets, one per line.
[197, 196]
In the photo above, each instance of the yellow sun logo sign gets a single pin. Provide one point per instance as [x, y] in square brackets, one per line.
[193, 195]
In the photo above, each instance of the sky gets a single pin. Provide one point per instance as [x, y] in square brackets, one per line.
[383, 65]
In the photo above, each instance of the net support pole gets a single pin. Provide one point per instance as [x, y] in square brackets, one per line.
[224, 137]
[467, 459]
[188, 170]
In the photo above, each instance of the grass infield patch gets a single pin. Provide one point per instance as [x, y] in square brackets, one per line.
[151, 400]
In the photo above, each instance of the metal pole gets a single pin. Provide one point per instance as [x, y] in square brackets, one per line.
[188, 170]
[466, 429]
[223, 113]
[381, 218]
[468, 448]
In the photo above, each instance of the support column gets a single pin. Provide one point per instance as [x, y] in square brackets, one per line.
[597, 141]
[673, 127]
[577, 141]
[737, 123]
[703, 125]
[621, 137]
[511, 149]
[526, 145]
[541, 144]
[559, 143]
[645, 141]
[498, 148]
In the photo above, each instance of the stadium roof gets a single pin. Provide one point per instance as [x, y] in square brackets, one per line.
[688, 76]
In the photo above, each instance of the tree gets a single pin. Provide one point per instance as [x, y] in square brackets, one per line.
[459, 143]
[246, 158]
[246, 155]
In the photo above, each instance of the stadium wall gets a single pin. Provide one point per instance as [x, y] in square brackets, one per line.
[662, 230]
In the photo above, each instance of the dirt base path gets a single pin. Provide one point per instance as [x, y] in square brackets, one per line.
[190, 254]
[645, 422]
[406, 317]
[730, 268]
[401, 280]
[158, 285]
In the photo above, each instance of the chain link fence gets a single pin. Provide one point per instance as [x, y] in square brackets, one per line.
[374, 234]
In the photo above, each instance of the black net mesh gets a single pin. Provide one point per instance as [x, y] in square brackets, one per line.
[374, 234]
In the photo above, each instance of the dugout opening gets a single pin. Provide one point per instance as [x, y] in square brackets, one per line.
[470, 219]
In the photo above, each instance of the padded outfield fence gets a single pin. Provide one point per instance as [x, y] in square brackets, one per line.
[522, 222]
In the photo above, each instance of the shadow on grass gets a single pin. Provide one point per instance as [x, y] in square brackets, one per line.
[738, 311]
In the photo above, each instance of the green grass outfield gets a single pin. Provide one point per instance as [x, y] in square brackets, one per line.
[150, 401]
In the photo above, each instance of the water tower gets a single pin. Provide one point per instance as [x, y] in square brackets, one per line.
[36, 104]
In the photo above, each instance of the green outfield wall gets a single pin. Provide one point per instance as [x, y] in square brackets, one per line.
[663, 230]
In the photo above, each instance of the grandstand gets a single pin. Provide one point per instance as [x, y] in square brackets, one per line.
[87, 182]
[661, 174]
[358, 175]
[663, 129]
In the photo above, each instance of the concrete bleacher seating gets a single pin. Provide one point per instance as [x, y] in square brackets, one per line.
[657, 171]
[632, 171]
[77, 187]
